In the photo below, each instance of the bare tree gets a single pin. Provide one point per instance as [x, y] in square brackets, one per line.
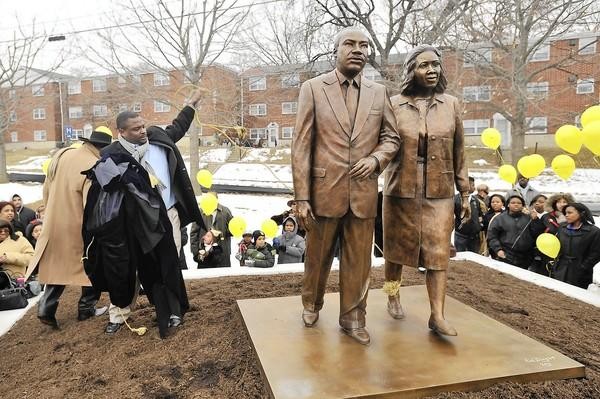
[510, 33]
[394, 24]
[171, 36]
[17, 58]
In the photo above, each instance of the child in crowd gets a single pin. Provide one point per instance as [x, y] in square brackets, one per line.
[260, 253]
[243, 248]
[210, 253]
[290, 245]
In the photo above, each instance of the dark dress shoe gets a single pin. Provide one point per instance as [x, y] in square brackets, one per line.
[49, 321]
[360, 334]
[112, 328]
[86, 314]
[309, 317]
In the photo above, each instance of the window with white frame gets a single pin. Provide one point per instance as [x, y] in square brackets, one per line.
[542, 53]
[477, 93]
[14, 137]
[287, 132]
[37, 90]
[290, 80]
[12, 94]
[136, 79]
[587, 45]
[257, 83]
[137, 107]
[39, 135]
[537, 125]
[77, 133]
[123, 107]
[39, 113]
[74, 87]
[160, 106]
[75, 112]
[258, 109]
[121, 81]
[371, 73]
[585, 86]
[477, 57]
[100, 110]
[474, 127]
[161, 79]
[537, 89]
[289, 107]
[99, 84]
[258, 133]
[12, 116]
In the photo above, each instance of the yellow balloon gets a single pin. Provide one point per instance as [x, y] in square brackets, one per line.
[237, 226]
[204, 178]
[269, 227]
[491, 138]
[208, 203]
[531, 165]
[590, 115]
[548, 244]
[591, 137]
[46, 165]
[569, 138]
[563, 166]
[508, 173]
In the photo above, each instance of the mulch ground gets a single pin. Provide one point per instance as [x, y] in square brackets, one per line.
[211, 356]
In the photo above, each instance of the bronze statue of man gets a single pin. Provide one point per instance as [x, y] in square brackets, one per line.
[345, 135]
[418, 205]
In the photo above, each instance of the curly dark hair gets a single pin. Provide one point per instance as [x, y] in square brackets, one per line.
[410, 65]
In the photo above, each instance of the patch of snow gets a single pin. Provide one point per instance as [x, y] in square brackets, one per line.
[256, 174]
[259, 155]
[29, 192]
[480, 162]
[217, 155]
[28, 165]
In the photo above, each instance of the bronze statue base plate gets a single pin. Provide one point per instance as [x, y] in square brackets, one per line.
[404, 360]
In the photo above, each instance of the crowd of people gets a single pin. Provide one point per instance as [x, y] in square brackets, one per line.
[506, 227]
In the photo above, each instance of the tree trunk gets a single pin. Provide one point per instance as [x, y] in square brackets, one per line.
[194, 157]
[3, 172]
[518, 142]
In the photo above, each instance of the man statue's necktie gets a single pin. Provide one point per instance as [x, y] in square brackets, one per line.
[351, 101]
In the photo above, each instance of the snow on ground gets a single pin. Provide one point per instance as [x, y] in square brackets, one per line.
[480, 162]
[31, 164]
[30, 192]
[218, 155]
[258, 175]
[258, 155]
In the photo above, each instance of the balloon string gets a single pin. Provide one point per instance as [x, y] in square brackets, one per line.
[499, 155]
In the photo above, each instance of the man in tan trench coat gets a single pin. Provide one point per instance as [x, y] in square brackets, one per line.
[60, 246]
[345, 135]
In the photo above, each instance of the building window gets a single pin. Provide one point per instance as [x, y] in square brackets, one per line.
[537, 125]
[289, 108]
[137, 107]
[136, 79]
[542, 53]
[100, 110]
[371, 74]
[12, 94]
[39, 113]
[290, 80]
[77, 133]
[477, 93]
[287, 132]
[39, 135]
[585, 86]
[474, 127]
[74, 87]
[257, 83]
[14, 137]
[37, 90]
[587, 45]
[99, 85]
[161, 79]
[160, 106]
[123, 107]
[258, 133]
[537, 89]
[121, 81]
[75, 112]
[258, 109]
[477, 57]
[12, 116]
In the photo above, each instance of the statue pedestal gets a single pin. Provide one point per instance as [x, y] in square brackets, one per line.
[404, 360]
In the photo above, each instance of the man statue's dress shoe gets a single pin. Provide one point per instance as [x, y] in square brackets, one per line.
[360, 334]
[112, 328]
[49, 321]
[309, 318]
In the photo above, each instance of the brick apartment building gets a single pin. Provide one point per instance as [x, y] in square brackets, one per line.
[557, 96]
[60, 108]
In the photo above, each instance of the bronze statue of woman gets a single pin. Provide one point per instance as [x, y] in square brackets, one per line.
[418, 206]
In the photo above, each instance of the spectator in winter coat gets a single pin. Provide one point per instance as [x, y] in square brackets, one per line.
[15, 251]
[243, 248]
[279, 219]
[260, 253]
[218, 220]
[555, 215]
[579, 247]
[509, 235]
[8, 212]
[290, 246]
[23, 214]
[210, 253]
[33, 231]
[523, 189]
[466, 231]
[495, 207]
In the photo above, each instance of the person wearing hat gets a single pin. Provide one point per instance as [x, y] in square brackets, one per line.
[279, 219]
[243, 248]
[260, 253]
[60, 246]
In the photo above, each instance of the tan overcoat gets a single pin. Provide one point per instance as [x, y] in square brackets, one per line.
[325, 147]
[19, 253]
[59, 249]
